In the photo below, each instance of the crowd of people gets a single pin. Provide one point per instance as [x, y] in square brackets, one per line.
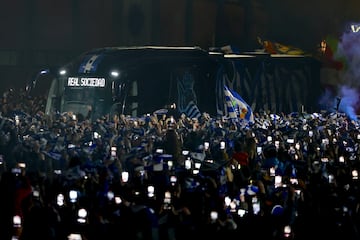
[164, 176]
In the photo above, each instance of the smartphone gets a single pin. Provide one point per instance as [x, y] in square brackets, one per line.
[278, 181]
[259, 150]
[70, 146]
[185, 152]
[206, 145]
[277, 144]
[16, 171]
[287, 231]
[214, 215]
[355, 174]
[188, 164]
[159, 150]
[96, 135]
[170, 164]
[74, 236]
[324, 159]
[36, 193]
[113, 151]
[17, 221]
[290, 140]
[117, 200]
[17, 120]
[294, 181]
[110, 195]
[73, 195]
[167, 200]
[222, 145]
[151, 191]
[272, 172]
[22, 165]
[209, 160]
[125, 176]
[173, 179]
[255, 205]
[60, 199]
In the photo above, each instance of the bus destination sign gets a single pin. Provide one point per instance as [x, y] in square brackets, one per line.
[86, 82]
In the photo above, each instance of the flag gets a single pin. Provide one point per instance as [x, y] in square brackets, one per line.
[192, 110]
[236, 107]
[279, 48]
[53, 155]
[90, 63]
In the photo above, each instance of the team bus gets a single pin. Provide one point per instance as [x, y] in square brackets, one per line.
[135, 81]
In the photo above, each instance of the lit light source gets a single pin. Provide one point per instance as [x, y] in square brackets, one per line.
[62, 72]
[82, 214]
[60, 200]
[73, 195]
[44, 71]
[151, 190]
[114, 73]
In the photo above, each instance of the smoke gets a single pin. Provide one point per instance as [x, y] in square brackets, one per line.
[349, 87]
[349, 50]
[348, 100]
[327, 100]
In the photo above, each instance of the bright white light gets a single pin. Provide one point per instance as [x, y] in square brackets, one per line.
[114, 73]
[241, 212]
[354, 174]
[62, 72]
[60, 199]
[227, 201]
[118, 200]
[170, 164]
[44, 71]
[110, 195]
[74, 236]
[195, 171]
[17, 220]
[151, 189]
[197, 165]
[82, 213]
[125, 176]
[73, 195]
[187, 164]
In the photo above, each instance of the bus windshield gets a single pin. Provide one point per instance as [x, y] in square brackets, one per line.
[86, 102]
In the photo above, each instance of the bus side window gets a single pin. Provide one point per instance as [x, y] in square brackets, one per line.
[131, 99]
[134, 95]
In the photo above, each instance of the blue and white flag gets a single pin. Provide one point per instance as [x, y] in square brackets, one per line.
[236, 107]
[53, 155]
[90, 63]
[192, 110]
